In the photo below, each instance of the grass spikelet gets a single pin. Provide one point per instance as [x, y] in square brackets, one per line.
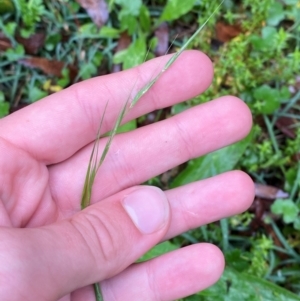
[170, 62]
[95, 162]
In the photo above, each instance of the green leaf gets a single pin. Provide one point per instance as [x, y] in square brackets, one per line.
[10, 28]
[4, 106]
[52, 41]
[212, 164]
[129, 23]
[2, 97]
[132, 56]
[131, 7]
[15, 54]
[88, 28]
[267, 40]
[297, 223]
[287, 208]
[176, 8]
[91, 30]
[109, 32]
[145, 19]
[36, 94]
[127, 127]
[235, 286]
[158, 250]
[87, 70]
[276, 14]
[238, 259]
[268, 98]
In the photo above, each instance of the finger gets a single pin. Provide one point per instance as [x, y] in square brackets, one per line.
[55, 128]
[95, 244]
[169, 277]
[142, 154]
[209, 200]
[20, 203]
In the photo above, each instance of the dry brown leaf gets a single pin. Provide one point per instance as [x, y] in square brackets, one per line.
[162, 35]
[50, 67]
[97, 10]
[123, 44]
[284, 124]
[33, 43]
[4, 43]
[269, 192]
[226, 32]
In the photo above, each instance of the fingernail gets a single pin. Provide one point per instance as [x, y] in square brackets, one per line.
[148, 208]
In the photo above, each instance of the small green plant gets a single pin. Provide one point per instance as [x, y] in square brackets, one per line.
[288, 210]
[31, 12]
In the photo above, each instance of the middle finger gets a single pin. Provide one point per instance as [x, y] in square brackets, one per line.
[137, 156]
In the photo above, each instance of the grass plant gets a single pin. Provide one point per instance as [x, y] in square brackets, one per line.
[95, 163]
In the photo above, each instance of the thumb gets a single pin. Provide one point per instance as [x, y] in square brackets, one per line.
[49, 262]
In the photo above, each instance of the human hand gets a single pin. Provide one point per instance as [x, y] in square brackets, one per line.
[51, 250]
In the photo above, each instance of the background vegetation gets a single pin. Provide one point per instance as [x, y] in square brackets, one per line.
[46, 46]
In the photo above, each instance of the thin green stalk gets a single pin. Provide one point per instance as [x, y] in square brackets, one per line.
[284, 242]
[271, 133]
[296, 185]
[97, 291]
[225, 233]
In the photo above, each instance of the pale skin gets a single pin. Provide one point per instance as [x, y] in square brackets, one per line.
[50, 250]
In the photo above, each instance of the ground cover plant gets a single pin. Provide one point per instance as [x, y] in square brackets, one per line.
[255, 46]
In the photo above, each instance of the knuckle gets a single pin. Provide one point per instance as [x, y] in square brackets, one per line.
[100, 235]
[185, 140]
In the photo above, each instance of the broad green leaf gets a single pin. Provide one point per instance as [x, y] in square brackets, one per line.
[132, 56]
[128, 23]
[4, 109]
[10, 28]
[15, 54]
[36, 94]
[52, 41]
[131, 7]
[267, 40]
[109, 32]
[145, 19]
[176, 8]
[158, 250]
[2, 97]
[90, 30]
[4, 106]
[129, 126]
[212, 164]
[297, 223]
[235, 286]
[276, 14]
[87, 70]
[269, 99]
[287, 208]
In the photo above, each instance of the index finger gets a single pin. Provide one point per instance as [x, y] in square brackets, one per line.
[55, 128]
